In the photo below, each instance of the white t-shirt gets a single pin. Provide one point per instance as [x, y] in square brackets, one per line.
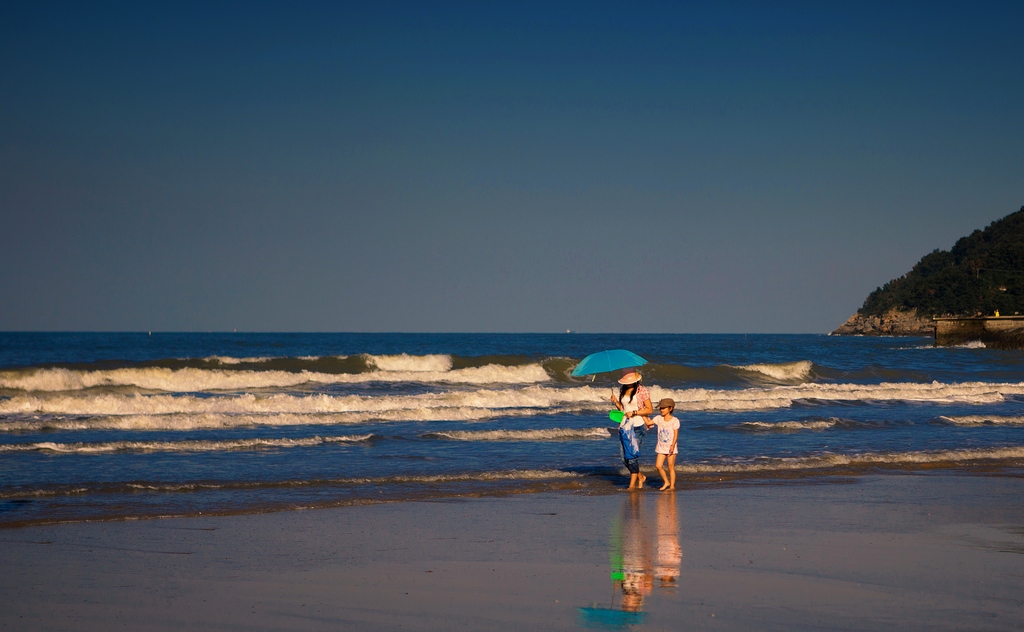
[631, 406]
[666, 428]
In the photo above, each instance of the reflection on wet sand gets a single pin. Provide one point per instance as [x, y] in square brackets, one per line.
[670, 554]
[634, 535]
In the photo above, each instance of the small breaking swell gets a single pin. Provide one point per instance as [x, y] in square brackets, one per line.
[229, 360]
[186, 421]
[798, 372]
[403, 362]
[983, 420]
[973, 344]
[200, 486]
[845, 462]
[104, 447]
[812, 423]
[179, 446]
[789, 426]
[785, 372]
[546, 434]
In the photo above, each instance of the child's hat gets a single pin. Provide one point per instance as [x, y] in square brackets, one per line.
[667, 403]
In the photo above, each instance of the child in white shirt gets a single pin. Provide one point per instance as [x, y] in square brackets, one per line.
[668, 439]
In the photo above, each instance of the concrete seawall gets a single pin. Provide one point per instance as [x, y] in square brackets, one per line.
[997, 332]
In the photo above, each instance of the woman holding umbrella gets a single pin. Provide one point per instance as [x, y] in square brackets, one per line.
[635, 403]
[632, 399]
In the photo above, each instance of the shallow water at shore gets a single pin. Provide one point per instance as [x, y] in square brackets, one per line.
[108, 426]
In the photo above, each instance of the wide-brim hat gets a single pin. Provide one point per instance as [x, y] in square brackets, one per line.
[630, 376]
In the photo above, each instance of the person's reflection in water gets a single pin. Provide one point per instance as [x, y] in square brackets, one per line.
[670, 554]
[636, 580]
[633, 574]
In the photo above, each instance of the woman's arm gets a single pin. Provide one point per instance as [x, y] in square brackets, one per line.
[646, 407]
[615, 400]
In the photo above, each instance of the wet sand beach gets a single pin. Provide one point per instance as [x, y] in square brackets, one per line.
[940, 551]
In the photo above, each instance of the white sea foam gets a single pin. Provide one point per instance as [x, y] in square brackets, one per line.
[356, 410]
[495, 400]
[545, 434]
[178, 446]
[785, 396]
[233, 360]
[43, 493]
[782, 371]
[978, 420]
[827, 461]
[974, 344]
[551, 434]
[191, 380]
[790, 426]
[179, 422]
[494, 475]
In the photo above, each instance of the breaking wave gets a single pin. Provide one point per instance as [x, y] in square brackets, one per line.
[546, 434]
[495, 401]
[409, 363]
[181, 422]
[81, 410]
[178, 446]
[783, 371]
[191, 380]
[786, 396]
[980, 420]
[228, 360]
[198, 486]
[789, 426]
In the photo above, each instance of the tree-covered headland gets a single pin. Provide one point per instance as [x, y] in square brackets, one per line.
[981, 274]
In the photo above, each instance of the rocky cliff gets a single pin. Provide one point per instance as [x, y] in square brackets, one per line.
[891, 323]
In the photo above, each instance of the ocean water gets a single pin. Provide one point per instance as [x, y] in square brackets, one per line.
[113, 426]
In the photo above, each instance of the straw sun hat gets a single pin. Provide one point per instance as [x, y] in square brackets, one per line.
[630, 376]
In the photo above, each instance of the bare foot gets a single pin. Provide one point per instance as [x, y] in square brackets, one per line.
[643, 479]
[663, 487]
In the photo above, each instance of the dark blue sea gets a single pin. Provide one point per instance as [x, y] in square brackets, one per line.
[126, 425]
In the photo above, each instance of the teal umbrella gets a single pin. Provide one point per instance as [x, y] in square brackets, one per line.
[606, 361]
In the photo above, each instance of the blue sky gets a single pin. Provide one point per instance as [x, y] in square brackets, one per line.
[633, 167]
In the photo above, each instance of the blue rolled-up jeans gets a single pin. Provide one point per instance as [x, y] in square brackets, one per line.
[633, 465]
